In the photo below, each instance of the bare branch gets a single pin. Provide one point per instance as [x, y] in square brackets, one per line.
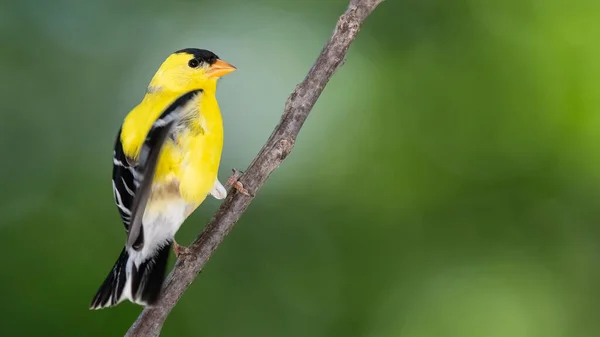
[279, 145]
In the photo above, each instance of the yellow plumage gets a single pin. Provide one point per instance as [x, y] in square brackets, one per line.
[179, 120]
[194, 160]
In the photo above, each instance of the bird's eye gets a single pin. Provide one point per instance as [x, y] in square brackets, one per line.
[193, 63]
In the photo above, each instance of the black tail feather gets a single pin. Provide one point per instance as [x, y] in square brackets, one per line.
[146, 280]
[111, 290]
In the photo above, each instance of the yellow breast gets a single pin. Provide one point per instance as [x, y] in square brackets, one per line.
[202, 155]
[192, 160]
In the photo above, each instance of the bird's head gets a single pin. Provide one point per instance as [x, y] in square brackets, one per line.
[190, 69]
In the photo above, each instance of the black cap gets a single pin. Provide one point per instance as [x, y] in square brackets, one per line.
[201, 55]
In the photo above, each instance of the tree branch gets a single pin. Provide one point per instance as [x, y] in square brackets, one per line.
[279, 145]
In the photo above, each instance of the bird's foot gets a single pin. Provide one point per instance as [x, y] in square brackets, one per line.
[235, 183]
[181, 251]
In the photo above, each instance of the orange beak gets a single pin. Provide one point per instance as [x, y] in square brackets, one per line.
[220, 68]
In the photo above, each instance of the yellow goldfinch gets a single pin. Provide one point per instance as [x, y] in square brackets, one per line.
[165, 163]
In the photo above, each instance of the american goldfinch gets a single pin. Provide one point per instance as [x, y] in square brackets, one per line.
[165, 163]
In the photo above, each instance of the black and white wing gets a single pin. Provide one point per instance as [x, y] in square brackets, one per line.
[123, 182]
[132, 181]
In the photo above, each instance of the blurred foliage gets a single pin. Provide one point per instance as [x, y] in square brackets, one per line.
[447, 183]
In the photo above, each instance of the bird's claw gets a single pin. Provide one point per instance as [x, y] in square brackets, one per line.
[235, 183]
[181, 251]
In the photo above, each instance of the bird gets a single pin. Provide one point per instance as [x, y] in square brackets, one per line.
[165, 162]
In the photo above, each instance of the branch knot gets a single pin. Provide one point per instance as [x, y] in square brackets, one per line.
[284, 147]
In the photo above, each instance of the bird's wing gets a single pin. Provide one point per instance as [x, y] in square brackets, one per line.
[132, 182]
[123, 182]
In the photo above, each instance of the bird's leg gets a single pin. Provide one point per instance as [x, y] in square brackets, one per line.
[181, 251]
[235, 183]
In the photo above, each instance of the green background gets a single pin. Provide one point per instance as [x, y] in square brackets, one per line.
[447, 183]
